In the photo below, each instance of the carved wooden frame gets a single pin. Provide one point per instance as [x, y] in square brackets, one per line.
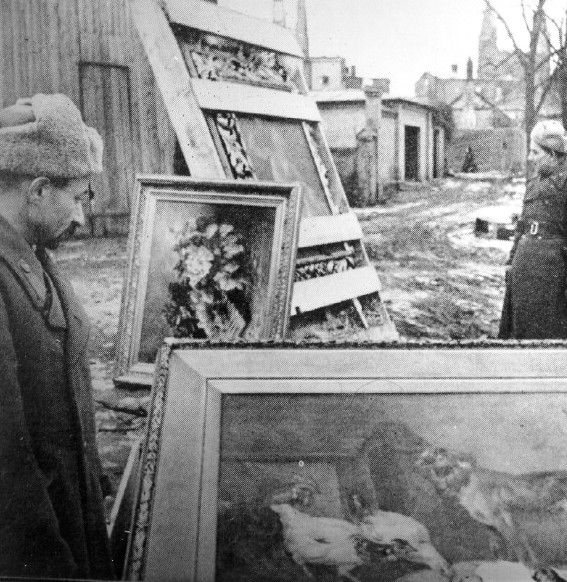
[188, 98]
[174, 526]
[284, 199]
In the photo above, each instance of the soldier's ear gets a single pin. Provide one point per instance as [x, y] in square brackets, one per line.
[37, 189]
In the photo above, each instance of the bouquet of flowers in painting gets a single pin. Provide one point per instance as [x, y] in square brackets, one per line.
[209, 296]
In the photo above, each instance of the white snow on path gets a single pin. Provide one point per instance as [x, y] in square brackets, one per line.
[372, 210]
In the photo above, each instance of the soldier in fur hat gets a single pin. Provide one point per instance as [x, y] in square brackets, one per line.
[51, 513]
[535, 304]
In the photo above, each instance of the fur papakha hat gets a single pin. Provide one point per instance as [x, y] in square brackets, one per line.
[45, 136]
[550, 134]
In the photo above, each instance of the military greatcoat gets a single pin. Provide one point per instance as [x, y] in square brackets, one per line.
[535, 304]
[51, 513]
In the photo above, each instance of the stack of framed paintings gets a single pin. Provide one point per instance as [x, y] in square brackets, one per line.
[235, 92]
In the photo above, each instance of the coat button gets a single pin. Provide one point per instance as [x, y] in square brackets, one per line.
[24, 266]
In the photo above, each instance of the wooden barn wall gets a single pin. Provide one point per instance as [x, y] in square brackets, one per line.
[39, 41]
[89, 50]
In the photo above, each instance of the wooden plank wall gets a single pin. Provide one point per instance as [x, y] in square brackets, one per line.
[43, 44]
[108, 36]
[39, 39]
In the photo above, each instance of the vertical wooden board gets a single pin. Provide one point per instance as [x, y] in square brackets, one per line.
[29, 12]
[155, 138]
[20, 51]
[4, 7]
[26, 43]
[50, 56]
[134, 116]
[175, 85]
[92, 103]
[11, 30]
[261, 232]
[124, 140]
[106, 107]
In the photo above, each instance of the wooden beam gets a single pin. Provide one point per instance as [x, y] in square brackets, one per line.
[242, 98]
[121, 515]
[322, 230]
[174, 83]
[231, 24]
[323, 291]
[336, 256]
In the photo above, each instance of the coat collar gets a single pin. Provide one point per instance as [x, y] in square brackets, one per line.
[19, 256]
[27, 268]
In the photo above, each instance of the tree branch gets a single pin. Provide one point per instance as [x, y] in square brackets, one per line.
[539, 21]
[525, 17]
[559, 27]
[509, 56]
[517, 49]
[545, 90]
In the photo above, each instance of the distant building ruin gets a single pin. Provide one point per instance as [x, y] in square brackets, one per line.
[377, 140]
[488, 110]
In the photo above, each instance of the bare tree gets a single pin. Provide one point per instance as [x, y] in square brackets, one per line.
[537, 86]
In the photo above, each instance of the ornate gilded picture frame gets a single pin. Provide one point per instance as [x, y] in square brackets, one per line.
[434, 460]
[208, 259]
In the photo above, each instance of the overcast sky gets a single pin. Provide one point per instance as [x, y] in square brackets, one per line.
[399, 39]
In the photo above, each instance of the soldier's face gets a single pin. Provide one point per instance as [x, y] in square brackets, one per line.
[58, 211]
[541, 160]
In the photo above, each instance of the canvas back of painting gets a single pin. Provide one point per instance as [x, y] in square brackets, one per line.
[235, 91]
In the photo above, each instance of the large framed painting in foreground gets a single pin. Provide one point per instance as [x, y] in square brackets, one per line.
[355, 463]
[207, 260]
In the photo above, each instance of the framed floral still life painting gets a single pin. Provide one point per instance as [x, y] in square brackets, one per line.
[207, 260]
[356, 463]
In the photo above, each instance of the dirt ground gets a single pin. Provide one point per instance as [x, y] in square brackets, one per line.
[439, 281]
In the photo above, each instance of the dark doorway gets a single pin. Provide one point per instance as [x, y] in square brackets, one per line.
[436, 161]
[412, 153]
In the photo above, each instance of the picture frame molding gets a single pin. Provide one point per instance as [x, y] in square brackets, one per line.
[198, 375]
[284, 199]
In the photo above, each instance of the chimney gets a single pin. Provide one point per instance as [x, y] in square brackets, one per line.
[301, 29]
[279, 12]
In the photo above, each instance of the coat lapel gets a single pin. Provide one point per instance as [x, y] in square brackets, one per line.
[78, 325]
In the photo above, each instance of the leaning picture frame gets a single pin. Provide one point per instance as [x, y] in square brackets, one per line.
[206, 259]
[244, 439]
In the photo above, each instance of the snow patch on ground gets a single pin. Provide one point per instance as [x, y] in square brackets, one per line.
[377, 210]
[477, 186]
[501, 214]
[465, 238]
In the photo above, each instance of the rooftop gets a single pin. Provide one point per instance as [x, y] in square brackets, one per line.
[420, 102]
[339, 96]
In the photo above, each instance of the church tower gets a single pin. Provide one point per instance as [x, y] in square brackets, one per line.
[301, 32]
[488, 54]
[279, 12]
[543, 52]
